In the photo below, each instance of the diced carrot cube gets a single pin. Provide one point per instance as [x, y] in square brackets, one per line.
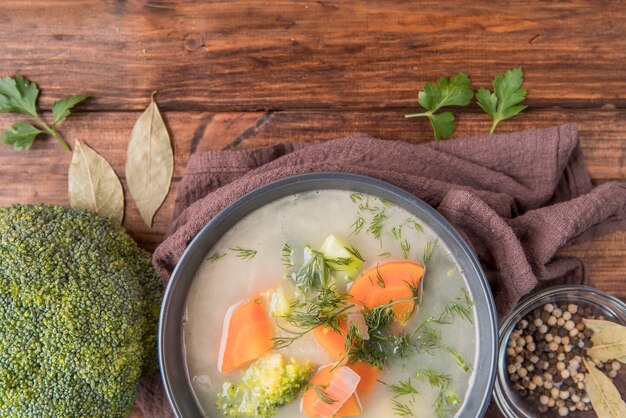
[339, 383]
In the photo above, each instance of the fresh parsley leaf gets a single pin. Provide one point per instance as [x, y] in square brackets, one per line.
[61, 109]
[18, 95]
[504, 102]
[453, 91]
[21, 135]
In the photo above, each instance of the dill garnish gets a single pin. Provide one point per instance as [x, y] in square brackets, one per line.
[396, 231]
[401, 389]
[406, 248]
[358, 225]
[378, 221]
[384, 255]
[415, 225]
[287, 253]
[355, 253]
[459, 360]
[433, 378]
[216, 256]
[460, 307]
[320, 390]
[354, 196]
[244, 253]
[379, 278]
[314, 273]
[446, 401]
[322, 308]
[387, 203]
[429, 250]
[401, 409]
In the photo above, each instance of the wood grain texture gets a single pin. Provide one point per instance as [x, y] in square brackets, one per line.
[40, 175]
[349, 54]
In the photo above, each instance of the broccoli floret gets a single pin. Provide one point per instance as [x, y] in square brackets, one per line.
[79, 304]
[267, 384]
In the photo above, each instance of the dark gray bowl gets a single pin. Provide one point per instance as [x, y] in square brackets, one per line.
[171, 359]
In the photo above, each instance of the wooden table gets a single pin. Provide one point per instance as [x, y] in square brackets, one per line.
[238, 74]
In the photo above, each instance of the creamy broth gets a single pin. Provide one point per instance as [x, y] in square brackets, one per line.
[226, 278]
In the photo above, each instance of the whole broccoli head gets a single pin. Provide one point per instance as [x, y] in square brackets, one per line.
[79, 304]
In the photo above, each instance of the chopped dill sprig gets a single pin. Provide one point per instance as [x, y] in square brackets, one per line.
[354, 196]
[434, 378]
[415, 225]
[387, 203]
[459, 360]
[320, 390]
[384, 255]
[406, 248]
[377, 223]
[447, 401]
[468, 299]
[429, 250]
[287, 254]
[314, 273]
[244, 253]
[216, 256]
[355, 253]
[322, 308]
[460, 307]
[358, 225]
[396, 231]
[379, 278]
[401, 409]
[401, 389]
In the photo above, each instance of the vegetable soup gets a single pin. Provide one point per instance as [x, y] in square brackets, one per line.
[330, 303]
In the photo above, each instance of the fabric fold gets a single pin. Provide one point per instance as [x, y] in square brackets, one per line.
[517, 198]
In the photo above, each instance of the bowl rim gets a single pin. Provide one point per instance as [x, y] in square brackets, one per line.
[507, 406]
[477, 397]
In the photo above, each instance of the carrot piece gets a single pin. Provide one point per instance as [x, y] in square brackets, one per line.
[369, 377]
[339, 383]
[331, 341]
[247, 334]
[352, 407]
[389, 282]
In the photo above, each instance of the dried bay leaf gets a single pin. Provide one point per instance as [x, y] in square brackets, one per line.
[149, 162]
[609, 340]
[93, 185]
[605, 398]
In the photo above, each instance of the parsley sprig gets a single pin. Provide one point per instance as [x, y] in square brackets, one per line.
[19, 95]
[504, 102]
[453, 91]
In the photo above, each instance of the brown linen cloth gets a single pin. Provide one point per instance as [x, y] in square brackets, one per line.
[517, 198]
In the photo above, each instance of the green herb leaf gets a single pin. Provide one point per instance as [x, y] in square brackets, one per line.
[61, 109]
[21, 135]
[320, 390]
[402, 388]
[459, 360]
[287, 252]
[401, 409]
[504, 102]
[18, 95]
[453, 91]
[244, 253]
[93, 185]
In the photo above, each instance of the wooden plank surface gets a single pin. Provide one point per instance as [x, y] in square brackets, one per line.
[349, 54]
[243, 73]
